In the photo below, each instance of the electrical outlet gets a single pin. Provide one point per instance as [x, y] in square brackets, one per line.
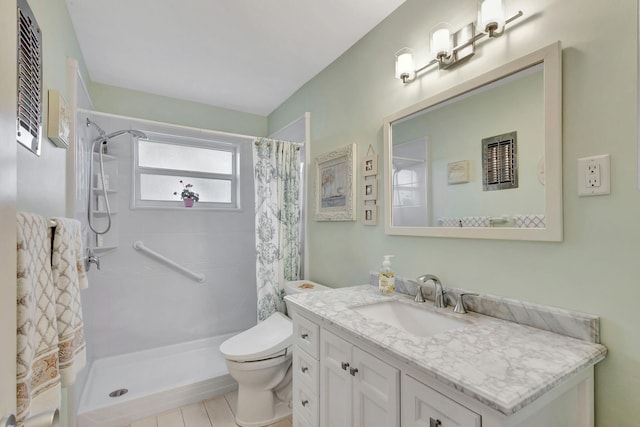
[593, 173]
[594, 176]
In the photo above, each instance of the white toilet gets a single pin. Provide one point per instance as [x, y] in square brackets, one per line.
[259, 359]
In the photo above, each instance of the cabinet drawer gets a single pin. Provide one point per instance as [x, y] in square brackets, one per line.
[306, 370]
[305, 405]
[423, 406]
[306, 335]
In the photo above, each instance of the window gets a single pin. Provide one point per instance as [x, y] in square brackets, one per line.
[161, 161]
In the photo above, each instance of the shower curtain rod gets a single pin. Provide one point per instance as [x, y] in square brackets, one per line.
[269, 140]
[156, 123]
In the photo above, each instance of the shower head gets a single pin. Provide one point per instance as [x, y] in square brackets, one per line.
[106, 137]
[132, 132]
[94, 124]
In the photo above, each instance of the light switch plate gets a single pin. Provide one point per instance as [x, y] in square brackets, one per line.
[594, 175]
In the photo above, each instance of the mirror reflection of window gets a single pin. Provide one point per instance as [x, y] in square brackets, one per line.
[410, 183]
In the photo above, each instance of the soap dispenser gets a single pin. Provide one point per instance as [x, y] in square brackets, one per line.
[386, 278]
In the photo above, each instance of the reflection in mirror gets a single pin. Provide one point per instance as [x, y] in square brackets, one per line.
[471, 162]
[410, 183]
[453, 132]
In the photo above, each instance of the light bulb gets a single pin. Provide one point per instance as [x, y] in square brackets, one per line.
[405, 67]
[441, 41]
[491, 16]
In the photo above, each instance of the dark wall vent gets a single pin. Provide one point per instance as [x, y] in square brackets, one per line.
[500, 162]
[29, 108]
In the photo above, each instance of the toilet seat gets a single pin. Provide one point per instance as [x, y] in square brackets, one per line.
[268, 338]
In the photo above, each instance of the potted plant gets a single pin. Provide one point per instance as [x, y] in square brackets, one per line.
[188, 195]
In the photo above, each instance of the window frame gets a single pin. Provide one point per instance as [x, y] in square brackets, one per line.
[178, 140]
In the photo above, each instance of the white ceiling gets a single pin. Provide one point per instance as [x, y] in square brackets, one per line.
[246, 55]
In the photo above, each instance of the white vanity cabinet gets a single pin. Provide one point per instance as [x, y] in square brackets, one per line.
[306, 375]
[343, 381]
[356, 388]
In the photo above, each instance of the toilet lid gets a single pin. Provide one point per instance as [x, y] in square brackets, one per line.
[263, 340]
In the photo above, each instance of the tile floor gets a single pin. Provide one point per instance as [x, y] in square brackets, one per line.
[210, 413]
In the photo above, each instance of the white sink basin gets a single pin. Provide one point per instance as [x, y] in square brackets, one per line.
[413, 319]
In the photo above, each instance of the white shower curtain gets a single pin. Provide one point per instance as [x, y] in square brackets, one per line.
[277, 200]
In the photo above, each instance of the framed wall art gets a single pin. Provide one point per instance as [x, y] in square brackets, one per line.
[458, 172]
[370, 214]
[370, 189]
[335, 191]
[370, 164]
[59, 126]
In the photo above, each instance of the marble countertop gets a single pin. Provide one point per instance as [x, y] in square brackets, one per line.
[502, 364]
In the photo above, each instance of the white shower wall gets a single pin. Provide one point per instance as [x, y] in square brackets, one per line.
[136, 303]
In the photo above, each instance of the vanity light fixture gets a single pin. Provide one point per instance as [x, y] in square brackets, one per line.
[449, 49]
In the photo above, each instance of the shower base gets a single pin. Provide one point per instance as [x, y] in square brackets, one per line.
[148, 382]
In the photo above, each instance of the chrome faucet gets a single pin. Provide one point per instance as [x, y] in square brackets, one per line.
[438, 299]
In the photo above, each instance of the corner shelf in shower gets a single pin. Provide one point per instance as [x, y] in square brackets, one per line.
[99, 190]
[108, 241]
[103, 249]
[103, 213]
[105, 157]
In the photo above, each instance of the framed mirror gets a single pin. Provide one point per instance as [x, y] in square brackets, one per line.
[482, 159]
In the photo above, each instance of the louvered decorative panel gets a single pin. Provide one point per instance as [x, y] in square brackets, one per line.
[29, 79]
[500, 162]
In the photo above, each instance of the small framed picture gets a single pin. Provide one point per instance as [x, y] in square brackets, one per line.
[370, 189]
[458, 172]
[370, 214]
[59, 126]
[370, 165]
[335, 189]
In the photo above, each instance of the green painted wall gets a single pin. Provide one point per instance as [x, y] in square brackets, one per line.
[130, 103]
[595, 268]
[42, 180]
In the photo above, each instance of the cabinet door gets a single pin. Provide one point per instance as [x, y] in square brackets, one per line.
[422, 406]
[376, 392]
[335, 381]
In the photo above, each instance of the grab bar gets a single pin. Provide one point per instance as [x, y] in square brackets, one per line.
[139, 246]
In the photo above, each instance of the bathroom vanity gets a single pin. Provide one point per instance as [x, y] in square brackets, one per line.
[367, 360]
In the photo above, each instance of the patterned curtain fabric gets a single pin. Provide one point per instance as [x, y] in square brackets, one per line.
[277, 200]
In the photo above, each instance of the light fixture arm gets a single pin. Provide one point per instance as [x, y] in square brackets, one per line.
[446, 61]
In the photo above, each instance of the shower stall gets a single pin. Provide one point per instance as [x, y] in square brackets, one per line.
[153, 333]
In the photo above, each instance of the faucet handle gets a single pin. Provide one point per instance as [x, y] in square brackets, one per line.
[460, 308]
[419, 295]
[91, 258]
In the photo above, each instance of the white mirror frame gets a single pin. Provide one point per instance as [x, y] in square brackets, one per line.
[551, 57]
